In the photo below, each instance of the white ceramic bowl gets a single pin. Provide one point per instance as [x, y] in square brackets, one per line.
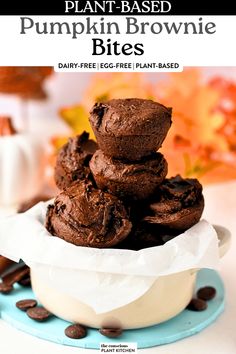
[168, 296]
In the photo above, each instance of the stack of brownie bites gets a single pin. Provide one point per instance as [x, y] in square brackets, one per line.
[115, 194]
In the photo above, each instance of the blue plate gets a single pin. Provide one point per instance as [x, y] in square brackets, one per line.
[184, 325]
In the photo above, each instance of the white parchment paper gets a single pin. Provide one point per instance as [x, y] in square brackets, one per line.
[104, 279]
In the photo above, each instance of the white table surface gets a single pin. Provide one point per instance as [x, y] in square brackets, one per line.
[219, 338]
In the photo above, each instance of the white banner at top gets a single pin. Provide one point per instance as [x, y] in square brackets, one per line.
[117, 43]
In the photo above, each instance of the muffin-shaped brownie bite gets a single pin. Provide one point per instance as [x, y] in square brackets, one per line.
[86, 216]
[128, 180]
[130, 128]
[179, 204]
[73, 160]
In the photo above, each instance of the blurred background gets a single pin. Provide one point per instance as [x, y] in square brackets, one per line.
[49, 107]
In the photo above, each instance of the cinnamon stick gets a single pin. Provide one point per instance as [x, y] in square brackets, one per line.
[5, 264]
[16, 275]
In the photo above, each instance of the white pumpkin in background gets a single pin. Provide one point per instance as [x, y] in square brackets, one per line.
[21, 165]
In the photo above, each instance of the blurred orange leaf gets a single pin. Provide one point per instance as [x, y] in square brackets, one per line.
[59, 141]
[106, 86]
[194, 115]
[76, 117]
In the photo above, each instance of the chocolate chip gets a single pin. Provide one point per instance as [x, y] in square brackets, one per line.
[207, 293]
[24, 305]
[80, 140]
[197, 305]
[75, 331]
[111, 332]
[25, 281]
[39, 314]
[5, 288]
[98, 111]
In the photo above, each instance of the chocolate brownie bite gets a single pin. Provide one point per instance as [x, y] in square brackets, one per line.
[179, 204]
[73, 160]
[130, 128]
[86, 216]
[129, 180]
